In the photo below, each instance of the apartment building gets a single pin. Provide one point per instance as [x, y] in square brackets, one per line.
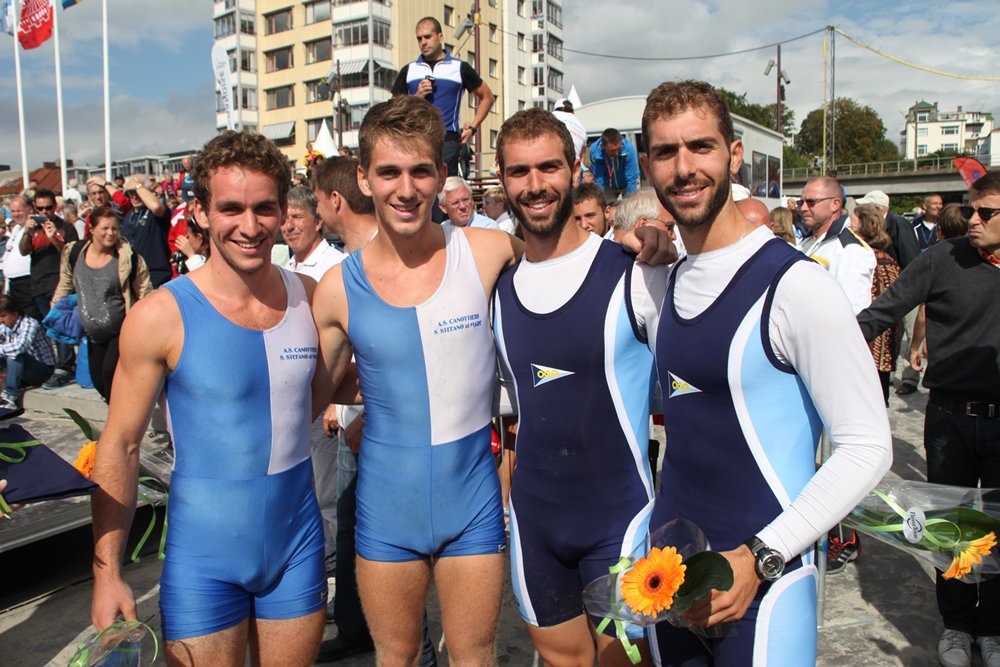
[929, 130]
[547, 53]
[297, 63]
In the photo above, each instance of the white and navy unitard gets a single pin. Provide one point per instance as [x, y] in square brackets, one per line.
[427, 484]
[245, 533]
[750, 375]
[583, 375]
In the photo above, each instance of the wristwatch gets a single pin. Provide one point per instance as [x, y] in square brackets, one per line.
[768, 563]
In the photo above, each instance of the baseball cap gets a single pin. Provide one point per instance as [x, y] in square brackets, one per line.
[876, 197]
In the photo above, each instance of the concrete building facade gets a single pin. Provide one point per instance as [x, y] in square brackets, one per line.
[929, 130]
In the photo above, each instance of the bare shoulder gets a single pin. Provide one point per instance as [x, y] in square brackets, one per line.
[329, 299]
[493, 247]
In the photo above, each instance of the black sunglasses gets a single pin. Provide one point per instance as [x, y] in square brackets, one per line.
[984, 213]
[45, 208]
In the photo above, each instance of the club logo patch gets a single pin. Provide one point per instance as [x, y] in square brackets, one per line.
[543, 374]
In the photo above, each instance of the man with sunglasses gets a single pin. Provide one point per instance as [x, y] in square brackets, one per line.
[832, 243]
[43, 241]
[959, 280]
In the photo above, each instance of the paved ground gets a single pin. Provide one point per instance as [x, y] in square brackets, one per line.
[879, 612]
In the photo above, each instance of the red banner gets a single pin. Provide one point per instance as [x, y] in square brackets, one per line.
[970, 169]
[36, 23]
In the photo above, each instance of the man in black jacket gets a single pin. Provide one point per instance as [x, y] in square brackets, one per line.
[959, 280]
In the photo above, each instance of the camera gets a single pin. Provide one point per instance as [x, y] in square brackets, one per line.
[179, 260]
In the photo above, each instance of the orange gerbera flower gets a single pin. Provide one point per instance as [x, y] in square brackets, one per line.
[969, 554]
[85, 459]
[649, 586]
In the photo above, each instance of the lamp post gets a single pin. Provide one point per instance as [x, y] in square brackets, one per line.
[779, 76]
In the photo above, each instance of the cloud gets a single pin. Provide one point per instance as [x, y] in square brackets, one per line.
[946, 40]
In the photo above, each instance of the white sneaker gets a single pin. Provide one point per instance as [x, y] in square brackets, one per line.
[955, 648]
[989, 650]
[7, 402]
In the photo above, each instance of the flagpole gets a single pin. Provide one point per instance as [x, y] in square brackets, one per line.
[59, 99]
[25, 175]
[107, 95]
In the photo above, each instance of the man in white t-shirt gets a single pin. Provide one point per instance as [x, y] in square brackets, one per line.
[311, 254]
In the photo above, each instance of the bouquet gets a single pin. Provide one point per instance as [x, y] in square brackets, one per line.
[953, 528]
[660, 584]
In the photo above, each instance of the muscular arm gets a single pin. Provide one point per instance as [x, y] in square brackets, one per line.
[486, 98]
[909, 291]
[148, 339]
[330, 313]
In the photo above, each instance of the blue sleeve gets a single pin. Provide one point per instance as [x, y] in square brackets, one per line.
[597, 166]
[632, 171]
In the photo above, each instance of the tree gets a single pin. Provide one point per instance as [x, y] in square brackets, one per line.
[860, 134]
[759, 113]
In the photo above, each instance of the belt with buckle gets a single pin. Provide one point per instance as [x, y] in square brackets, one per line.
[989, 409]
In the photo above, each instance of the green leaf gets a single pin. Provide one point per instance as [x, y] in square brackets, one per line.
[78, 419]
[706, 571]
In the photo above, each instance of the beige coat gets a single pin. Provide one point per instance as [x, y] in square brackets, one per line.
[140, 287]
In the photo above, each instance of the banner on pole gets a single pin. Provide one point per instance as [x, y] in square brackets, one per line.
[223, 82]
[36, 23]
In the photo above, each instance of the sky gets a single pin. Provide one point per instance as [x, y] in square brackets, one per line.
[162, 90]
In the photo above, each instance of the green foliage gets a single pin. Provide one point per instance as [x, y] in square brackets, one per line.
[706, 570]
[860, 134]
[79, 420]
[759, 113]
[793, 159]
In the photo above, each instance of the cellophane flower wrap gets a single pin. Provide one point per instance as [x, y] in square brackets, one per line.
[953, 528]
[120, 644]
[662, 582]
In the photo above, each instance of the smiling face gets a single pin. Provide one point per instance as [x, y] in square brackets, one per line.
[403, 180]
[105, 232]
[538, 182]
[242, 218]
[689, 163]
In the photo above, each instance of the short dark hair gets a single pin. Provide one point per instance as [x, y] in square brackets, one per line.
[611, 136]
[9, 306]
[531, 124]
[674, 97]
[44, 193]
[405, 119]
[988, 184]
[340, 174]
[950, 223]
[433, 21]
[586, 191]
[243, 150]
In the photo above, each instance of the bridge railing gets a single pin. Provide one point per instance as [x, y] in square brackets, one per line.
[878, 168]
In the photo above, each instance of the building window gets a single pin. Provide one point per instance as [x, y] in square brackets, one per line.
[356, 32]
[230, 4]
[949, 129]
[539, 76]
[231, 53]
[249, 99]
[247, 26]
[278, 21]
[493, 68]
[280, 59]
[555, 47]
[248, 61]
[281, 98]
[520, 75]
[384, 78]
[921, 131]
[312, 127]
[319, 51]
[923, 117]
[521, 42]
[471, 58]
[555, 80]
[493, 138]
[494, 33]
[922, 149]
[537, 8]
[537, 43]
[449, 16]
[522, 7]
[554, 13]
[521, 105]
[949, 147]
[225, 26]
[316, 91]
[318, 11]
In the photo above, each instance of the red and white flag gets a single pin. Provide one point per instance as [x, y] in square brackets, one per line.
[36, 23]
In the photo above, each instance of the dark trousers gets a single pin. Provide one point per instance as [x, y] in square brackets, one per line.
[452, 148]
[965, 451]
[103, 360]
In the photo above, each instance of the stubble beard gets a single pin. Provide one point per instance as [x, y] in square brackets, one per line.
[554, 227]
[712, 208]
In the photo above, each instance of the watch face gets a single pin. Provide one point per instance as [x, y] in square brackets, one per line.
[772, 565]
